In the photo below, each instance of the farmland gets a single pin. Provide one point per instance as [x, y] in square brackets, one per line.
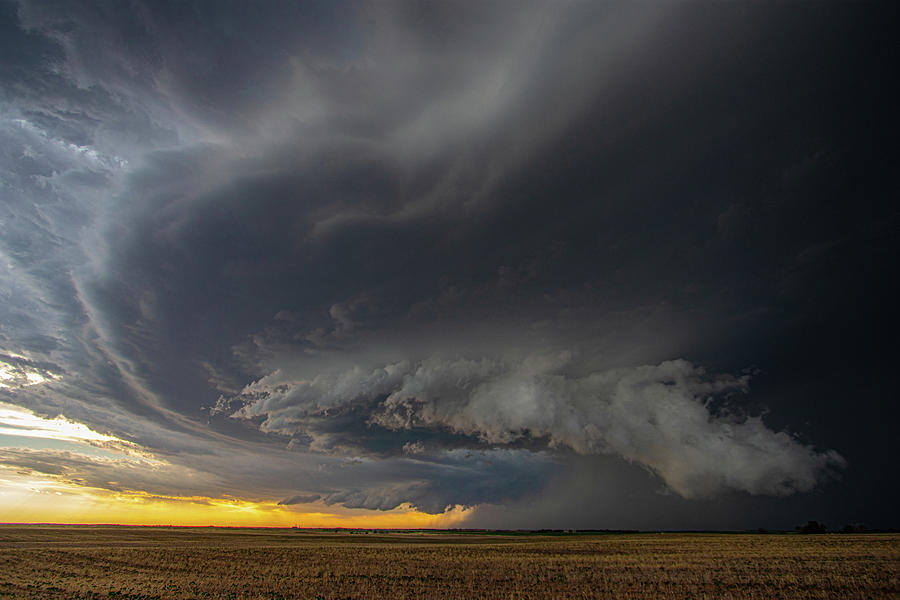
[133, 562]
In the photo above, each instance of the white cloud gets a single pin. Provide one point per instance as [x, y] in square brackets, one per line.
[19, 422]
[657, 416]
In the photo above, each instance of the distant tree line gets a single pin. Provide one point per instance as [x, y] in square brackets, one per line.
[816, 527]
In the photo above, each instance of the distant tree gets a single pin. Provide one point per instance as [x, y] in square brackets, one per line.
[855, 528]
[812, 527]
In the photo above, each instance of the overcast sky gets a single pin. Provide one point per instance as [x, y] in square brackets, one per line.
[574, 264]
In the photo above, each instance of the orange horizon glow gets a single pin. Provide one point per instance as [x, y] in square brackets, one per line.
[32, 499]
[29, 497]
[92, 506]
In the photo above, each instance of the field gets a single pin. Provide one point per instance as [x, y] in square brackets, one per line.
[133, 562]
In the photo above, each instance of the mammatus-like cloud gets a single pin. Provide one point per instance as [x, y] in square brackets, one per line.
[658, 416]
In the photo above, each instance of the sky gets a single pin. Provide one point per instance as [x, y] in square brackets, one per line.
[594, 265]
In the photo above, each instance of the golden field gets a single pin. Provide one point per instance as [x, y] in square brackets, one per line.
[134, 562]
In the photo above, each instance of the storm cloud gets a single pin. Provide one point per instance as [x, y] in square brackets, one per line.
[373, 254]
[656, 416]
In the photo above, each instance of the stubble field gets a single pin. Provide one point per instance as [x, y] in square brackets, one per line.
[132, 562]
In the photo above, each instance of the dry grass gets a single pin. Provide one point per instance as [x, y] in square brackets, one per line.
[125, 562]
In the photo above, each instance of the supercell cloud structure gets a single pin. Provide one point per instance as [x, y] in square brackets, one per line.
[651, 415]
[492, 254]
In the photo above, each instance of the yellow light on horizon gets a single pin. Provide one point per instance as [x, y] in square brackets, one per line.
[33, 497]
[30, 498]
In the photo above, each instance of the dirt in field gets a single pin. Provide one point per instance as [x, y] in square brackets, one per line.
[131, 562]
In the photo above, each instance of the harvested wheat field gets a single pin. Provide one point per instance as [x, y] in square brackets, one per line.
[133, 562]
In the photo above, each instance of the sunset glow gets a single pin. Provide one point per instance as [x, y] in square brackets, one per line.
[29, 497]
[32, 499]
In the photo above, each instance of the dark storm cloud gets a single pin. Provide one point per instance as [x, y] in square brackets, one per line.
[365, 230]
[300, 499]
[446, 478]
